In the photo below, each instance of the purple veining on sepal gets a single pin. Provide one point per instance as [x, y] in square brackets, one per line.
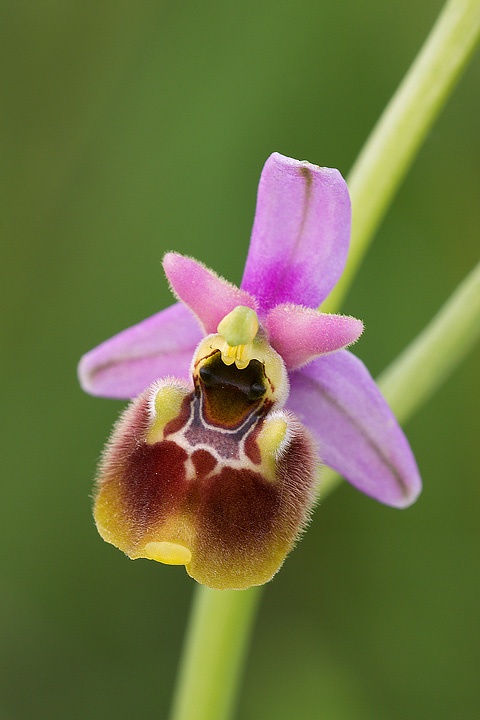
[336, 397]
[300, 235]
[123, 366]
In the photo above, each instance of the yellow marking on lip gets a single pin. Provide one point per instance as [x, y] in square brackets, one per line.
[272, 435]
[168, 402]
[270, 440]
[168, 553]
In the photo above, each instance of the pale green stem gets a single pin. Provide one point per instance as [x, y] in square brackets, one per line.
[221, 621]
[419, 370]
[404, 124]
[215, 647]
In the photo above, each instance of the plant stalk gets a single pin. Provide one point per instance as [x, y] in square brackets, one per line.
[216, 643]
[403, 126]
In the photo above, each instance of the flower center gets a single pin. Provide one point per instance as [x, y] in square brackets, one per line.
[237, 370]
[238, 329]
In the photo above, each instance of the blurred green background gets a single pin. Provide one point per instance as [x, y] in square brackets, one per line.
[132, 128]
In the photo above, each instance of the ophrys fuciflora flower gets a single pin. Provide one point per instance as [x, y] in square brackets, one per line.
[214, 466]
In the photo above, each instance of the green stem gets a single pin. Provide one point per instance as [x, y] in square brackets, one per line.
[404, 124]
[418, 371]
[215, 647]
[221, 621]
[412, 378]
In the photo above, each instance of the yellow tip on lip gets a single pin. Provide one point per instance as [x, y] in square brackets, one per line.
[168, 553]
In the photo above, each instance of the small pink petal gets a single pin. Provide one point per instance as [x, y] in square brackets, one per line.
[300, 235]
[357, 433]
[299, 334]
[209, 296]
[123, 366]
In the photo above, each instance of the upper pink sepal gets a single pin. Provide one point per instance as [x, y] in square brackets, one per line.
[300, 236]
[207, 294]
[299, 334]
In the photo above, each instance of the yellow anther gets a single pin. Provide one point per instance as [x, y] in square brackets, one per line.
[168, 553]
[240, 355]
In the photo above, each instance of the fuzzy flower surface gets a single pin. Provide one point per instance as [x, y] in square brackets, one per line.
[239, 392]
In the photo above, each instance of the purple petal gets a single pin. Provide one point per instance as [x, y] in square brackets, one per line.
[299, 334]
[123, 366]
[300, 236]
[209, 296]
[359, 436]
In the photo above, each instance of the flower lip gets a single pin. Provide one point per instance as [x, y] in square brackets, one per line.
[226, 501]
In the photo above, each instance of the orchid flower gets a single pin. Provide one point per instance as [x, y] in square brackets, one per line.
[240, 392]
